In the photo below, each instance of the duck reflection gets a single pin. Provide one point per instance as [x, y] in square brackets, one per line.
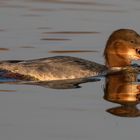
[65, 84]
[120, 87]
[9, 78]
[123, 88]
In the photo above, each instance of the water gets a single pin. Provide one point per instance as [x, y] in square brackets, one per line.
[41, 28]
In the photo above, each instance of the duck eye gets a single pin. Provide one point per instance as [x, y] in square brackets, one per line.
[132, 41]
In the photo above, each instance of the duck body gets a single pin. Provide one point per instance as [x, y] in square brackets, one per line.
[54, 68]
[122, 47]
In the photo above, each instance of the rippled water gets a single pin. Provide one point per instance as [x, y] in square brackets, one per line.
[41, 28]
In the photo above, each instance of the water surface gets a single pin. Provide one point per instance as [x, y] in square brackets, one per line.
[31, 29]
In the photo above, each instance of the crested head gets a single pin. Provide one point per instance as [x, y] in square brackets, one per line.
[122, 47]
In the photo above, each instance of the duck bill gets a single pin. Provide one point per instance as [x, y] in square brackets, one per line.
[138, 52]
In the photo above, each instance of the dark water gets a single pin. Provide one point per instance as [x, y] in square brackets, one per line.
[41, 28]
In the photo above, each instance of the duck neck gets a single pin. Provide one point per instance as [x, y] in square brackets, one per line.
[116, 61]
[116, 54]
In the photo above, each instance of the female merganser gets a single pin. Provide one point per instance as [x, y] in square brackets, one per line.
[122, 47]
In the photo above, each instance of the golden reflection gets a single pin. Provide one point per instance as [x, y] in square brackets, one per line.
[4, 49]
[5, 90]
[72, 32]
[73, 51]
[55, 39]
[122, 88]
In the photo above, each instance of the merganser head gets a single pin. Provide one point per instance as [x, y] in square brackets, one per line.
[122, 47]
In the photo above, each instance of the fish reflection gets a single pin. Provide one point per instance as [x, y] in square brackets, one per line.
[123, 88]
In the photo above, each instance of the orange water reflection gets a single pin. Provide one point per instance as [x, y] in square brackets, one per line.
[122, 88]
[5, 90]
[55, 39]
[4, 49]
[72, 51]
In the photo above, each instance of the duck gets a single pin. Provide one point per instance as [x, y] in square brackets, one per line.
[122, 47]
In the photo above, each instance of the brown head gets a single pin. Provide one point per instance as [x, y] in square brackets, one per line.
[122, 47]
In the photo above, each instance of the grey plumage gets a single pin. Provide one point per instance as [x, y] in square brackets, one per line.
[54, 68]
